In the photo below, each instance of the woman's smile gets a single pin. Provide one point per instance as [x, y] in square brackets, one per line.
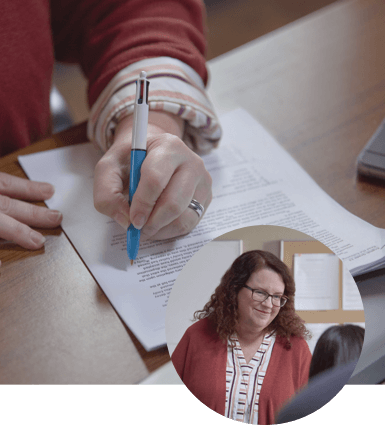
[263, 311]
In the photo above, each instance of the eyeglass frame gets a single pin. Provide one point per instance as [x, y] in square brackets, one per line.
[268, 295]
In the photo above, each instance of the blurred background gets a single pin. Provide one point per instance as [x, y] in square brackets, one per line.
[230, 23]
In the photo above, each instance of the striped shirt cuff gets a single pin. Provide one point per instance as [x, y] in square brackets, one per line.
[174, 87]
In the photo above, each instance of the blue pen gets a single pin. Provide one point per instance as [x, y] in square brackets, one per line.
[138, 153]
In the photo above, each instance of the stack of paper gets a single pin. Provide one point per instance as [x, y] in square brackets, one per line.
[255, 181]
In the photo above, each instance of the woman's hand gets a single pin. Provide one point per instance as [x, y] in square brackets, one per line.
[16, 215]
[171, 176]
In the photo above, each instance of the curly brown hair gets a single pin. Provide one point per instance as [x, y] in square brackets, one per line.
[222, 309]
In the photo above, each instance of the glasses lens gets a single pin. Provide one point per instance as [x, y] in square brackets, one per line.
[259, 295]
[276, 301]
[262, 296]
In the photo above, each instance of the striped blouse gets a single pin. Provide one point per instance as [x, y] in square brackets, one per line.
[244, 380]
[174, 87]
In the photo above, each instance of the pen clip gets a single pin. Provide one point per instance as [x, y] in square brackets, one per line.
[142, 90]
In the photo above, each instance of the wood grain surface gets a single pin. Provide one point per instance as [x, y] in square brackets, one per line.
[317, 85]
[56, 324]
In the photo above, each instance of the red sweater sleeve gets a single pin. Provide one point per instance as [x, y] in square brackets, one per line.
[106, 36]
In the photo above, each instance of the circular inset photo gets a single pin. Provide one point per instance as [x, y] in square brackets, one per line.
[265, 325]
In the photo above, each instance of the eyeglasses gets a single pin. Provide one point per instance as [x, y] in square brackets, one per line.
[261, 296]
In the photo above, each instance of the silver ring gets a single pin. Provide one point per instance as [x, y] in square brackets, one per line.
[197, 207]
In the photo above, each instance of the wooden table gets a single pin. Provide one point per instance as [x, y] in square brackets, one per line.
[318, 85]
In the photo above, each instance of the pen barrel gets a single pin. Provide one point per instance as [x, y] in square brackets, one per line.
[139, 131]
[137, 158]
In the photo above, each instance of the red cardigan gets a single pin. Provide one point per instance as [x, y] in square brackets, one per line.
[103, 36]
[200, 360]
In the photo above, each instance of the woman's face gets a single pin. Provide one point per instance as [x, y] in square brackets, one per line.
[254, 314]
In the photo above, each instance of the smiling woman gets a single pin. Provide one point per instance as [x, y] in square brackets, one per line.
[247, 354]
[232, 299]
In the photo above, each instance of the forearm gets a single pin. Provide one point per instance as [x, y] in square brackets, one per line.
[105, 37]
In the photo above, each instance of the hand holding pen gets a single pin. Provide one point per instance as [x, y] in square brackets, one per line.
[172, 175]
[138, 154]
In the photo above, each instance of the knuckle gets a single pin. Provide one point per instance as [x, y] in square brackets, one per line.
[154, 181]
[101, 164]
[5, 204]
[5, 181]
[202, 170]
[183, 226]
[150, 230]
[19, 232]
[208, 179]
[173, 208]
[102, 167]
[141, 204]
[36, 213]
[173, 140]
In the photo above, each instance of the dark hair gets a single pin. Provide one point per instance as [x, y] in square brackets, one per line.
[336, 346]
[222, 309]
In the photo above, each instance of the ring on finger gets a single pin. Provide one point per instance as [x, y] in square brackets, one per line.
[197, 207]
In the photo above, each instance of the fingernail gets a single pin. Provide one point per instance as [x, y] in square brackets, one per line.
[37, 238]
[54, 216]
[139, 221]
[122, 220]
[47, 190]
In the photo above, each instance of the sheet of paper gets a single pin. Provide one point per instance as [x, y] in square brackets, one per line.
[255, 181]
[316, 281]
[351, 298]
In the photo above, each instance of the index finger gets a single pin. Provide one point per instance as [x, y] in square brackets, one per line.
[17, 187]
[151, 185]
[108, 191]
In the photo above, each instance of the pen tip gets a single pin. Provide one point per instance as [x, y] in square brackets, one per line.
[142, 74]
[132, 262]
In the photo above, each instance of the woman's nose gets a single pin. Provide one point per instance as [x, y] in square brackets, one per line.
[268, 302]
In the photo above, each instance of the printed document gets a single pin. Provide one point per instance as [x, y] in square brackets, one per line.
[255, 181]
[351, 297]
[316, 279]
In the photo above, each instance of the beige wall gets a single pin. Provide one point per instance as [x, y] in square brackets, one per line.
[264, 237]
[268, 238]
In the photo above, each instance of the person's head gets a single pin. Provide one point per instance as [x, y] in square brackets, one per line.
[240, 299]
[260, 300]
[338, 345]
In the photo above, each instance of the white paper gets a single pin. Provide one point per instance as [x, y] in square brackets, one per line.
[317, 281]
[351, 298]
[255, 181]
